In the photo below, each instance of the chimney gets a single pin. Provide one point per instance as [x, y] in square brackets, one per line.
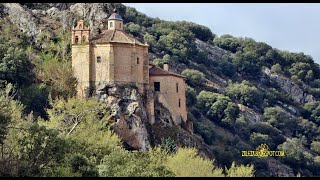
[166, 67]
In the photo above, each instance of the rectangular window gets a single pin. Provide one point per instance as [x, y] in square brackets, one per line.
[156, 86]
[177, 87]
[137, 60]
[98, 59]
[179, 103]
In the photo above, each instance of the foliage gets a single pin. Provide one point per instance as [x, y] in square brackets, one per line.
[76, 119]
[224, 110]
[294, 150]
[240, 171]
[39, 148]
[191, 96]
[124, 163]
[58, 75]
[315, 147]
[36, 99]
[194, 77]
[312, 111]
[186, 163]
[245, 93]
[218, 107]
[168, 145]
[280, 119]
[259, 138]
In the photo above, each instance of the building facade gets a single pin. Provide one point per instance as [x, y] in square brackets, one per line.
[113, 56]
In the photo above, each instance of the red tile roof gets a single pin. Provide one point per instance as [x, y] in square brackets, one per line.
[157, 71]
[116, 35]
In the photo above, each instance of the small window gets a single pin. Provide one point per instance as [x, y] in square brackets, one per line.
[179, 102]
[98, 59]
[156, 86]
[120, 25]
[80, 26]
[111, 24]
[137, 60]
[177, 87]
[76, 39]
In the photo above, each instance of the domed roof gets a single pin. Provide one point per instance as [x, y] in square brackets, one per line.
[115, 16]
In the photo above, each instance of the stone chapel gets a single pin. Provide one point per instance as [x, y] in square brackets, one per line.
[115, 57]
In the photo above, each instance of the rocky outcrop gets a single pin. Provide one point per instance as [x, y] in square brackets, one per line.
[128, 112]
[32, 19]
[214, 53]
[288, 87]
[22, 18]
[249, 114]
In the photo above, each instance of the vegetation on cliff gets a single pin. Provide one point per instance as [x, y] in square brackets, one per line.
[233, 103]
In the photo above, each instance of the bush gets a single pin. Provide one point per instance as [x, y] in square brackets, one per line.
[276, 68]
[194, 77]
[258, 138]
[280, 119]
[186, 163]
[245, 93]
[315, 147]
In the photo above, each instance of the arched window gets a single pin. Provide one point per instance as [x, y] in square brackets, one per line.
[177, 87]
[76, 39]
[137, 60]
[80, 26]
[83, 39]
[111, 24]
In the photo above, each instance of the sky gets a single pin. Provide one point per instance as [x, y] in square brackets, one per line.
[286, 26]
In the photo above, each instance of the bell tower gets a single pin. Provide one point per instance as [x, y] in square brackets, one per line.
[115, 21]
[80, 34]
[81, 58]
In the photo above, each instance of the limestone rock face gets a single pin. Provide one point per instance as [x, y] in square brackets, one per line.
[96, 14]
[22, 18]
[249, 114]
[128, 112]
[287, 86]
[62, 15]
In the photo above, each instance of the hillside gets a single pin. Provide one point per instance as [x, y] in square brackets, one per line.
[241, 93]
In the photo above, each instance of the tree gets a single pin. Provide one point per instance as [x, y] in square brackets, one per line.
[227, 42]
[186, 163]
[259, 138]
[240, 171]
[276, 68]
[58, 75]
[315, 147]
[223, 110]
[294, 150]
[39, 148]
[247, 63]
[36, 99]
[15, 67]
[76, 119]
[80, 164]
[245, 93]
[194, 77]
[132, 28]
[123, 163]
[280, 119]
